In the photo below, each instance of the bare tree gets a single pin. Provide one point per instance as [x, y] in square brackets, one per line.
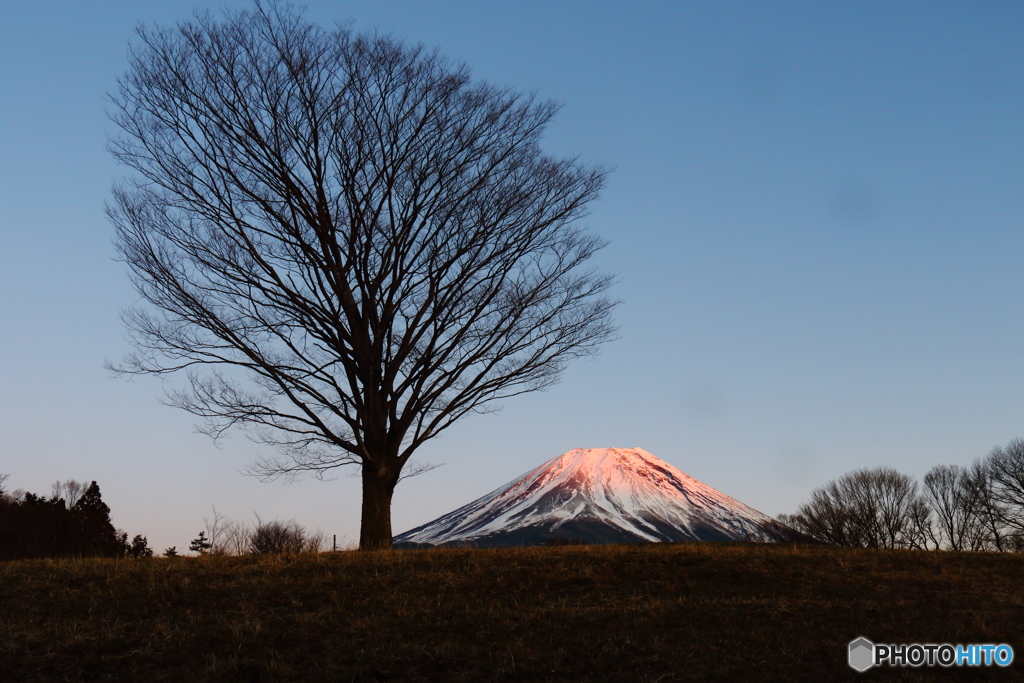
[71, 491]
[825, 519]
[345, 242]
[947, 491]
[235, 538]
[963, 513]
[1006, 477]
[220, 533]
[784, 528]
[989, 511]
[874, 508]
[919, 533]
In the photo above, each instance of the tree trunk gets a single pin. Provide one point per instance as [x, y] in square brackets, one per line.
[375, 527]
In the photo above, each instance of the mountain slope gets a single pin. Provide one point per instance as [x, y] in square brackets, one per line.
[598, 495]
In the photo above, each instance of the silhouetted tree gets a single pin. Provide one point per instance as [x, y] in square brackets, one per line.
[139, 547]
[874, 508]
[200, 544]
[34, 526]
[70, 491]
[227, 536]
[960, 511]
[96, 532]
[346, 243]
[784, 528]
[1006, 482]
[991, 512]
[171, 552]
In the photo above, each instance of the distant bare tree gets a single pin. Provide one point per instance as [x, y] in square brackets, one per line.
[991, 512]
[234, 539]
[71, 491]
[920, 532]
[960, 510]
[3, 480]
[785, 528]
[345, 242]
[1006, 477]
[874, 508]
[237, 539]
[215, 528]
[946, 489]
[227, 536]
[823, 519]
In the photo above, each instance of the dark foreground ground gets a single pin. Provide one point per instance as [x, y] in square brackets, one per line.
[657, 612]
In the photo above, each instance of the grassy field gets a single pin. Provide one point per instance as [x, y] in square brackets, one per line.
[657, 612]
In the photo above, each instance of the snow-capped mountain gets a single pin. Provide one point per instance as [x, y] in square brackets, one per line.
[598, 495]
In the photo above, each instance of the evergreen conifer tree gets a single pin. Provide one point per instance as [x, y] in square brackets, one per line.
[140, 547]
[97, 535]
[200, 544]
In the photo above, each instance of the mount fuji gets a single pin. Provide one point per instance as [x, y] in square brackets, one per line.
[598, 495]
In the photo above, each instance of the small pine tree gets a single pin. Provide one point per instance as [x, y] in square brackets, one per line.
[200, 544]
[171, 552]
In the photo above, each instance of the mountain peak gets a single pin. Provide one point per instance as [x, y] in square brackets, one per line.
[598, 495]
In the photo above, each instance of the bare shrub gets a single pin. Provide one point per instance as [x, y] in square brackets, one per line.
[316, 542]
[231, 537]
[277, 538]
[227, 536]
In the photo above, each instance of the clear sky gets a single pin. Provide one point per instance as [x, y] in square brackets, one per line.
[816, 216]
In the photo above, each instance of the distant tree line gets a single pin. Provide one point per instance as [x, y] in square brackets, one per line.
[980, 507]
[72, 522]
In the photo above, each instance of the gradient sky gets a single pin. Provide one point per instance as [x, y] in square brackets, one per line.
[816, 218]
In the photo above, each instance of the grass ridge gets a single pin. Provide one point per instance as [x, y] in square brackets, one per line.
[645, 612]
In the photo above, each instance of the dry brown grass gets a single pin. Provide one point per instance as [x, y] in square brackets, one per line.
[657, 612]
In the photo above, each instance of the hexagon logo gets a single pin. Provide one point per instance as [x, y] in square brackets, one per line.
[862, 654]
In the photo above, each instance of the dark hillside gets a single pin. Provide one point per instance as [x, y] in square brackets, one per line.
[654, 612]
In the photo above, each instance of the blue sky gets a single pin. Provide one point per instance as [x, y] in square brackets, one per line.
[815, 214]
